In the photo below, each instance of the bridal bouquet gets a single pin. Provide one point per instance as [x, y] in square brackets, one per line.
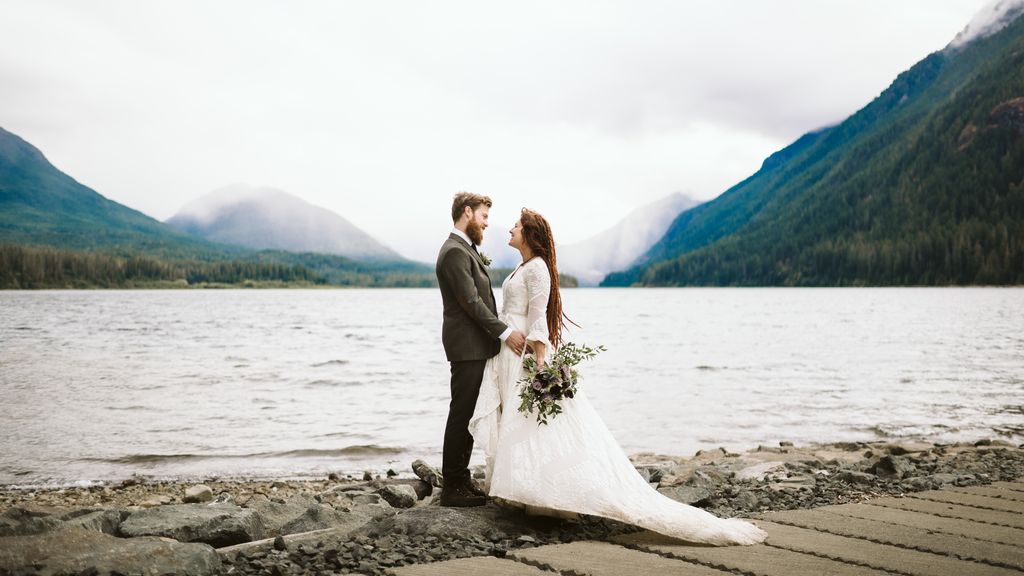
[543, 388]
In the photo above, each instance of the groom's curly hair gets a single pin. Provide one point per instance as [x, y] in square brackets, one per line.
[463, 199]
[537, 235]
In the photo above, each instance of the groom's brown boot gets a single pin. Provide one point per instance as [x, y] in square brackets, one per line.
[459, 495]
[474, 489]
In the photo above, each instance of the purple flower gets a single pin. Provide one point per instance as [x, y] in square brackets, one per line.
[569, 393]
[546, 398]
[537, 385]
[566, 372]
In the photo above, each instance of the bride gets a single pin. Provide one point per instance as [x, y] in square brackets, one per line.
[573, 464]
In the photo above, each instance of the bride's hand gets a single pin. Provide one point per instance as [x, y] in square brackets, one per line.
[539, 352]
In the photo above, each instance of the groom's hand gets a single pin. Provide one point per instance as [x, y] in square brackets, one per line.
[516, 341]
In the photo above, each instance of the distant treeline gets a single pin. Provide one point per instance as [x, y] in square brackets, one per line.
[35, 267]
[29, 267]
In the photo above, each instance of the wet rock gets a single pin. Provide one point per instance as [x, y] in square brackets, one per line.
[427, 473]
[28, 519]
[759, 471]
[745, 500]
[198, 493]
[106, 520]
[399, 495]
[692, 495]
[77, 551]
[450, 523]
[893, 467]
[294, 515]
[854, 477]
[797, 482]
[848, 446]
[652, 474]
[217, 525]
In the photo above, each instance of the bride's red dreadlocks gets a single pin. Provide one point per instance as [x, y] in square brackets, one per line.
[537, 235]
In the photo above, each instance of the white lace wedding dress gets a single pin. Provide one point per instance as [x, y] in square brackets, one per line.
[572, 464]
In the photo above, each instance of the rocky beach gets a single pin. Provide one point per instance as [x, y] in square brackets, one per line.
[371, 524]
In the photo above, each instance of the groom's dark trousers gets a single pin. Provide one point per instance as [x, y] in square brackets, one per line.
[470, 335]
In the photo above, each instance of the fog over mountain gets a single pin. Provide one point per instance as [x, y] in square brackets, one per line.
[991, 19]
[619, 246]
[268, 218]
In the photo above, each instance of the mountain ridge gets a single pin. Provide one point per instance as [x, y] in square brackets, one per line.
[590, 260]
[814, 214]
[266, 218]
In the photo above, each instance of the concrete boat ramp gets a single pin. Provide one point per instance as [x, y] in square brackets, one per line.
[971, 531]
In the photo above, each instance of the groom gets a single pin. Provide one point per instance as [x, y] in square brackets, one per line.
[471, 333]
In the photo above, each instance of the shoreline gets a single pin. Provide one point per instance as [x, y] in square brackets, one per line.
[397, 466]
[372, 524]
[842, 452]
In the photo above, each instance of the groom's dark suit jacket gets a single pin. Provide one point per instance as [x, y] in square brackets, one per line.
[471, 328]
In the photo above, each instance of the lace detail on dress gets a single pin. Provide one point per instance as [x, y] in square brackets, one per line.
[538, 290]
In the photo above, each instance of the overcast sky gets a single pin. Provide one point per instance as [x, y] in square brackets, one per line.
[380, 111]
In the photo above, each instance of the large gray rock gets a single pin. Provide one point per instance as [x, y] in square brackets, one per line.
[296, 514]
[28, 519]
[428, 473]
[451, 523]
[698, 489]
[106, 520]
[77, 551]
[198, 493]
[216, 525]
[399, 495]
[25, 520]
[893, 467]
[421, 487]
[692, 495]
[759, 471]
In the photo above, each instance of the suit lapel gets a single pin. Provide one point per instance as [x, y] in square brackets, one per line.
[476, 255]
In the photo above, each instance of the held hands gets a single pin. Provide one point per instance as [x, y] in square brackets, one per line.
[516, 341]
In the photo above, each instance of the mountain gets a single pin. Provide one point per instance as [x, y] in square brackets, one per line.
[41, 205]
[58, 233]
[270, 219]
[992, 18]
[923, 186]
[619, 246]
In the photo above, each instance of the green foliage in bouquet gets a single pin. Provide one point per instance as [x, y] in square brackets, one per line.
[543, 388]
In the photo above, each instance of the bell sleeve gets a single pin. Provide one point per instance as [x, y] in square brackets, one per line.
[538, 289]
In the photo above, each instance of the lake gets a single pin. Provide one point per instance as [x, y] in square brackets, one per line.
[98, 385]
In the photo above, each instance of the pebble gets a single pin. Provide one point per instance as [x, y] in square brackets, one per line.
[198, 493]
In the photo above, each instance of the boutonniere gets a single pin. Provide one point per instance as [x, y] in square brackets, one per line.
[486, 259]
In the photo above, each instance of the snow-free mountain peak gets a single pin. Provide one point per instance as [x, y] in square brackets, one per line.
[619, 246]
[269, 218]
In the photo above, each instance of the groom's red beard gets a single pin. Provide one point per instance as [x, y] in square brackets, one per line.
[475, 233]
